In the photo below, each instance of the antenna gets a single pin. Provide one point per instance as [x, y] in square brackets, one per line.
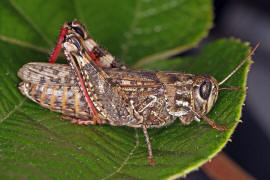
[236, 69]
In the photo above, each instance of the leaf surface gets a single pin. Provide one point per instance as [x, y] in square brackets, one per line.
[35, 144]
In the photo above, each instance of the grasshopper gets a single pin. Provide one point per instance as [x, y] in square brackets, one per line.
[98, 89]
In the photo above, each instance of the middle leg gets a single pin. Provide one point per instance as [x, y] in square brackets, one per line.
[150, 154]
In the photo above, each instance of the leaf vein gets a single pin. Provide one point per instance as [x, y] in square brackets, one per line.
[157, 10]
[127, 158]
[64, 142]
[130, 33]
[28, 20]
[24, 44]
[13, 110]
[77, 10]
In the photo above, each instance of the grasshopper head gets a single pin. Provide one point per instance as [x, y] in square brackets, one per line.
[204, 93]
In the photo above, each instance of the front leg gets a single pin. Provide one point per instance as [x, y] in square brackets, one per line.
[188, 118]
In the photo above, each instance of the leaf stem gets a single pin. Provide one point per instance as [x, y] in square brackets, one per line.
[222, 167]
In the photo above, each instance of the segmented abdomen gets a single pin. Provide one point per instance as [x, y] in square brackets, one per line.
[58, 98]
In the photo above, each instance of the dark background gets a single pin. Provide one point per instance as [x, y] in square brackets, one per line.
[248, 20]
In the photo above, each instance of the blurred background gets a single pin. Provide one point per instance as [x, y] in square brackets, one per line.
[248, 20]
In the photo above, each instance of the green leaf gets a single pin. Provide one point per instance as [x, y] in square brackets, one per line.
[131, 30]
[35, 144]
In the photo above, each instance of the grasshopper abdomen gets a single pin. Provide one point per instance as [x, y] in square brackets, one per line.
[64, 99]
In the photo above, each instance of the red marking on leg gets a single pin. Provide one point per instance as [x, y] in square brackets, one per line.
[85, 92]
[94, 58]
[99, 64]
[78, 121]
[53, 58]
[57, 48]
[151, 162]
[214, 125]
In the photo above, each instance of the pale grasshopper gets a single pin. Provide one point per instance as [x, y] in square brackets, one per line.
[97, 85]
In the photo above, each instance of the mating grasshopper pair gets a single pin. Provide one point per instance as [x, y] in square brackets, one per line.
[98, 89]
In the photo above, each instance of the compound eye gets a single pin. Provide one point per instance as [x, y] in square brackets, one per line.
[205, 89]
[79, 31]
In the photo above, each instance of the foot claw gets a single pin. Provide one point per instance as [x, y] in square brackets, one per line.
[151, 162]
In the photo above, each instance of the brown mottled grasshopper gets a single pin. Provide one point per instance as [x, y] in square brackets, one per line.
[97, 88]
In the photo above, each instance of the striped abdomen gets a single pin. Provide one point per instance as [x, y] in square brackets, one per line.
[64, 99]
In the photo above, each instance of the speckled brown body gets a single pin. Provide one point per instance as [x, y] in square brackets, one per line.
[53, 86]
[158, 97]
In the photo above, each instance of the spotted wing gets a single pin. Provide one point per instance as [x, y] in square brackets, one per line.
[46, 73]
